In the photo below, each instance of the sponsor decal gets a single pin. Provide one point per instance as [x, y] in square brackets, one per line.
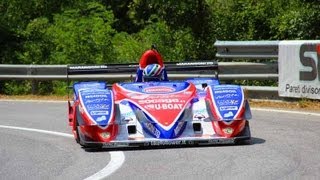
[115, 144]
[153, 130]
[97, 103]
[101, 118]
[97, 106]
[163, 106]
[228, 99]
[88, 67]
[91, 85]
[171, 142]
[226, 102]
[97, 96]
[89, 89]
[309, 56]
[224, 91]
[305, 89]
[187, 92]
[219, 141]
[302, 78]
[154, 97]
[228, 108]
[164, 109]
[98, 113]
[149, 101]
[227, 115]
[168, 143]
[226, 96]
[85, 92]
[159, 89]
[91, 101]
[195, 63]
[178, 128]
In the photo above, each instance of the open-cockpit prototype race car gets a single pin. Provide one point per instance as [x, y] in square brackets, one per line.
[195, 111]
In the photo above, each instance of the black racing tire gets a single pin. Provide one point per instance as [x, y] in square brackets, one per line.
[81, 137]
[78, 139]
[77, 132]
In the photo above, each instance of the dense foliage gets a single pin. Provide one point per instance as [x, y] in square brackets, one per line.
[101, 31]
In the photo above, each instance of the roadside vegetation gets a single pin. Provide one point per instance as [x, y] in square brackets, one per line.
[104, 32]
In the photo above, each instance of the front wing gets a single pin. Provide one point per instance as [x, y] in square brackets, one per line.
[181, 141]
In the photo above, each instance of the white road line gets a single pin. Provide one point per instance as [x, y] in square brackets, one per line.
[286, 111]
[117, 158]
[37, 130]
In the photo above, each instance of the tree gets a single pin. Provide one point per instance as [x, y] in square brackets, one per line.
[187, 16]
[77, 36]
[298, 20]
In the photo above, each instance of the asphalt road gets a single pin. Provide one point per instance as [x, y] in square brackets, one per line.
[284, 146]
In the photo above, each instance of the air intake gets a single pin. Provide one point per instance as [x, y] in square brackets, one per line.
[132, 129]
[196, 127]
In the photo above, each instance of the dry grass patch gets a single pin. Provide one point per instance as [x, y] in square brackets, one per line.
[304, 105]
[34, 97]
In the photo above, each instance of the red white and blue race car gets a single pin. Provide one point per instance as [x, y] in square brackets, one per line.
[195, 111]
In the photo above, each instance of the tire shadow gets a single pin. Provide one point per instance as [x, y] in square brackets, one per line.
[252, 141]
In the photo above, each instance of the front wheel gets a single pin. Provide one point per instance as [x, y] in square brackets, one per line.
[77, 132]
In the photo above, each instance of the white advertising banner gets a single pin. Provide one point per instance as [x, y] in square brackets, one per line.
[299, 69]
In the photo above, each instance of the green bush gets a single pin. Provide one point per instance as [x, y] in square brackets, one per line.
[96, 32]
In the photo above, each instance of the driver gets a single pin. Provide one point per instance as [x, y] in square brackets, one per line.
[151, 67]
[152, 72]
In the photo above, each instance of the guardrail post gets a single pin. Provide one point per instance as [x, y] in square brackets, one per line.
[34, 83]
[1, 87]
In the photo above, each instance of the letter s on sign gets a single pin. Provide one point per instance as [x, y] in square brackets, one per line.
[309, 60]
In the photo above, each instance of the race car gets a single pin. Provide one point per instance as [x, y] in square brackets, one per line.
[194, 111]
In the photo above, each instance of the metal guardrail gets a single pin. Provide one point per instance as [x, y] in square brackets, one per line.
[266, 50]
[247, 49]
[227, 70]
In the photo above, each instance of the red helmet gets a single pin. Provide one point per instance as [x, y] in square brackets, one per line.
[150, 57]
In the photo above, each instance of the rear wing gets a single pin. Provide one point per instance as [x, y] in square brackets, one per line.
[175, 70]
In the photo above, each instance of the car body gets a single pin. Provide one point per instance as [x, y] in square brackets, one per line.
[195, 111]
